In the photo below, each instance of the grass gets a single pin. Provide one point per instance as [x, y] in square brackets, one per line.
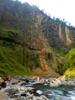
[70, 72]
[70, 63]
[11, 55]
[9, 64]
[5, 30]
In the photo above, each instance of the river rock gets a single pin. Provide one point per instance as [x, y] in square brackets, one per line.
[3, 96]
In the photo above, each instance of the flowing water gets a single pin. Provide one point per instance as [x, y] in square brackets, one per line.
[59, 93]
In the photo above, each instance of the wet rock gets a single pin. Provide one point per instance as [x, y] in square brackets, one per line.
[31, 97]
[11, 92]
[14, 81]
[2, 83]
[23, 94]
[49, 93]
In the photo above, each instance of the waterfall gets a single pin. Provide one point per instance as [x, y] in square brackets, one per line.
[68, 39]
[60, 32]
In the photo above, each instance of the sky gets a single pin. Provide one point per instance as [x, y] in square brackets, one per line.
[63, 9]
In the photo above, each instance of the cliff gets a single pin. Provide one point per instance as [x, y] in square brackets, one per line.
[32, 43]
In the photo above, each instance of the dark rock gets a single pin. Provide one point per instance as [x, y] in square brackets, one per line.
[3, 84]
[23, 94]
[11, 91]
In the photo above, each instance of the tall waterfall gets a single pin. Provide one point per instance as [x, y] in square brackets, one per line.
[68, 38]
[60, 32]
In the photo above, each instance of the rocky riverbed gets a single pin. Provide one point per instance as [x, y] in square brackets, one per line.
[37, 89]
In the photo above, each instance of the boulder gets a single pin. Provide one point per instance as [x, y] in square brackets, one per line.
[2, 83]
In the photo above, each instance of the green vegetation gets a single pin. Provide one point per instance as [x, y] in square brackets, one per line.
[70, 72]
[69, 66]
[29, 39]
[9, 64]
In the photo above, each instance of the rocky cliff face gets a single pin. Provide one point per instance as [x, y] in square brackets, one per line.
[34, 39]
[57, 33]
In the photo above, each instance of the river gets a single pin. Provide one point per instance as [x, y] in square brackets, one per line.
[57, 93]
